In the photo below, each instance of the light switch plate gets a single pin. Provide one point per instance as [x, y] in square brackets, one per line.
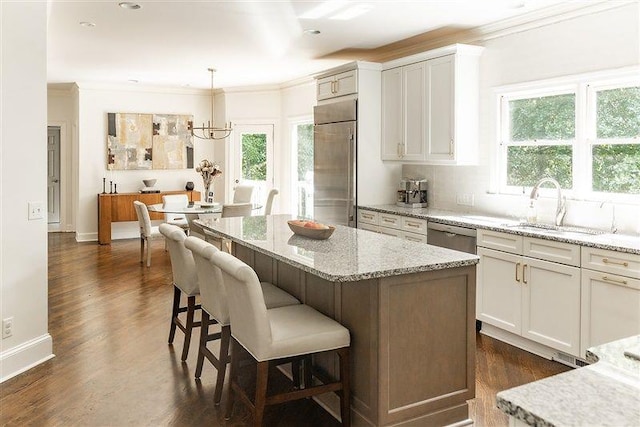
[36, 210]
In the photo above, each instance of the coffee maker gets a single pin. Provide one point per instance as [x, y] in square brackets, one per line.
[412, 193]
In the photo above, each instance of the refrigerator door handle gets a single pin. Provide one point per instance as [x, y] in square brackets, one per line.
[352, 179]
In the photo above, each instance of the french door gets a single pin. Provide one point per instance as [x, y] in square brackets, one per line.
[252, 159]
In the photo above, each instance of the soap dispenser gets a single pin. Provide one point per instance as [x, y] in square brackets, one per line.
[532, 213]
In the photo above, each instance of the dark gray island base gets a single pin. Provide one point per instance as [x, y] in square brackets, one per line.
[410, 309]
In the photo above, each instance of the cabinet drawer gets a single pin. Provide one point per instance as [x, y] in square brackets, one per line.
[390, 220]
[500, 241]
[414, 225]
[367, 217]
[414, 237]
[563, 253]
[390, 231]
[370, 227]
[614, 262]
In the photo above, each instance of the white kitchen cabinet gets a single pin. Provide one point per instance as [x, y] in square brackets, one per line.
[403, 113]
[433, 98]
[403, 227]
[610, 296]
[533, 298]
[340, 84]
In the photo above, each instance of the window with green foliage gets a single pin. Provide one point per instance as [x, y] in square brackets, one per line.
[584, 135]
[254, 156]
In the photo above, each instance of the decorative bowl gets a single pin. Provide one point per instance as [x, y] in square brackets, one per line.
[298, 228]
[149, 182]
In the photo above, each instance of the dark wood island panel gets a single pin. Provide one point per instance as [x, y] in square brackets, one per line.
[413, 339]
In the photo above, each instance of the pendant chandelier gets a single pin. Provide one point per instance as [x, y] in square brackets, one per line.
[210, 131]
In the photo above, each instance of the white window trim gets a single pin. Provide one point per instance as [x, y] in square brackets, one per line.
[584, 86]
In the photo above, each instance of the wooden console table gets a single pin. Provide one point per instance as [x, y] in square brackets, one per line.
[119, 208]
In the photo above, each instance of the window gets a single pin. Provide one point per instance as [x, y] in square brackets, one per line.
[585, 135]
[302, 143]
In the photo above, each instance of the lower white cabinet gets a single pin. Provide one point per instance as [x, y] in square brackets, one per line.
[529, 297]
[408, 228]
[610, 297]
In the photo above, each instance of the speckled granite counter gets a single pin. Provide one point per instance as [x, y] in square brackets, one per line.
[606, 393]
[615, 242]
[348, 255]
[409, 307]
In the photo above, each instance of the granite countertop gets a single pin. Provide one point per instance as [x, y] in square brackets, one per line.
[348, 255]
[606, 393]
[615, 242]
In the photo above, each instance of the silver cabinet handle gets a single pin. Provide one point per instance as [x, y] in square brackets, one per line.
[524, 274]
[517, 267]
[451, 147]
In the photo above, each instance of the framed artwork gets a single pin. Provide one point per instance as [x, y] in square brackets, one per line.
[149, 141]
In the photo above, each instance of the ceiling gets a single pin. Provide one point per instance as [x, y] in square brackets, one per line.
[173, 43]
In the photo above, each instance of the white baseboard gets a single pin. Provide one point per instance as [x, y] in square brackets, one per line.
[86, 237]
[25, 356]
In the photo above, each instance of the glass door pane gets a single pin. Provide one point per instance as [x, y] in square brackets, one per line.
[253, 162]
[302, 137]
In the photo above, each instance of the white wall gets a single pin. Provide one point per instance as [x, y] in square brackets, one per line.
[604, 40]
[23, 243]
[95, 101]
[61, 113]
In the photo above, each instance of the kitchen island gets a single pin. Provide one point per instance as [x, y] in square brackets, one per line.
[410, 309]
[606, 393]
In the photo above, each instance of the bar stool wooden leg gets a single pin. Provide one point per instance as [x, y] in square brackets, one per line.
[223, 360]
[175, 309]
[345, 393]
[262, 374]
[141, 250]
[191, 308]
[235, 359]
[204, 335]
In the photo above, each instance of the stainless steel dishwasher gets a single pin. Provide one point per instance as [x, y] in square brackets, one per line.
[461, 239]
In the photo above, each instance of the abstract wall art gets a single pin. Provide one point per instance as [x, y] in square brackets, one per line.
[149, 141]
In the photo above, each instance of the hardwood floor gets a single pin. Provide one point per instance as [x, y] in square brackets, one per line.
[109, 318]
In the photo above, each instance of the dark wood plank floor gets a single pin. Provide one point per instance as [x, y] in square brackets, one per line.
[109, 318]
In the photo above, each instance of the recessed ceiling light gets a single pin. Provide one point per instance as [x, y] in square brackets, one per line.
[313, 32]
[87, 24]
[129, 5]
[133, 81]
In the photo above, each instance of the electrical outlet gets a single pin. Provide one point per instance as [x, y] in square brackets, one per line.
[36, 210]
[7, 327]
[464, 199]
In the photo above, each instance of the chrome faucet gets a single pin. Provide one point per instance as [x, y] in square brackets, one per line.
[614, 227]
[561, 209]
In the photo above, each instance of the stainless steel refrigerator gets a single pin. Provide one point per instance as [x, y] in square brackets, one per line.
[334, 158]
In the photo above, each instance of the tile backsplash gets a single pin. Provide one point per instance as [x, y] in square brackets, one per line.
[448, 183]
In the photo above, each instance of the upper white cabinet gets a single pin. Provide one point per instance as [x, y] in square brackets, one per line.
[430, 107]
[336, 85]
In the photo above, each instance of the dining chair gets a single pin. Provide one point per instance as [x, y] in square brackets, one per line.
[242, 193]
[177, 201]
[269, 203]
[185, 280]
[215, 309]
[147, 231]
[278, 335]
[236, 209]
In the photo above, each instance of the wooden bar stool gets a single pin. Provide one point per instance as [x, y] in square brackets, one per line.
[185, 280]
[215, 308]
[278, 335]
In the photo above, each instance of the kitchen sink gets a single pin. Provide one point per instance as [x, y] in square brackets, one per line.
[554, 229]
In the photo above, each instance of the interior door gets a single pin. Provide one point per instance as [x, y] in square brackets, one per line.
[53, 175]
[253, 159]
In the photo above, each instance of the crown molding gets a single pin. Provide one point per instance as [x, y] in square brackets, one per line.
[82, 86]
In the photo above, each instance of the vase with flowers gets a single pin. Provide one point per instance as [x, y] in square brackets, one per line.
[208, 170]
